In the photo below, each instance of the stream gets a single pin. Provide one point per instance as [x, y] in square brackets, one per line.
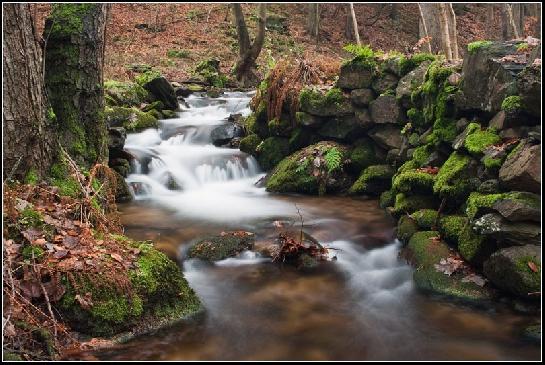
[361, 306]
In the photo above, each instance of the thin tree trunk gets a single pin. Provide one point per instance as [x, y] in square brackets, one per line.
[348, 27]
[313, 20]
[248, 52]
[453, 31]
[513, 26]
[445, 31]
[28, 138]
[426, 34]
[74, 75]
[355, 24]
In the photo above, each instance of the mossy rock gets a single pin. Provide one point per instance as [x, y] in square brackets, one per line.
[427, 252]
[373, 180]
[168, 114]
[415, 182]
[157, 105]
[478, 204]
[330, 104]
[300, 138]
[477, 139]
[406, 227]
[249, 144]
[257, 124]
[159, 294]
[279, 127]
[215, 248]
[363, 155]
[425, 218]
[516, 270]
[411, 203]
[132, 119]
[387, 199]
[125, 94]
[454, 179]
[451, 227]
[271, 151]
[294, 173]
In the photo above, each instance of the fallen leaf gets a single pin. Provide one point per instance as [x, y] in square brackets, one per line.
[533, 266]
[60, 254]
[474, 278]
[117, 257]
[40, 241]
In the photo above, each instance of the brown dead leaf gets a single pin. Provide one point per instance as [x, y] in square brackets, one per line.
[117, 257]
[532, 266]
[474, 278]
[60, 254]
[84, 301]
[40, 241]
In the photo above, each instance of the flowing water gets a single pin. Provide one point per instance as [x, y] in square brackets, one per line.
[361, 306]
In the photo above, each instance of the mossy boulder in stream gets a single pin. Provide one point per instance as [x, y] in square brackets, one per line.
[271, 151]
[316, 169]
[132, 119]
[127, 94]
[155, 293]
[227, 244]
[426, 251]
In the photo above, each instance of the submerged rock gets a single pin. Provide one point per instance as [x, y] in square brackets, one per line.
[225, 133]
[516, 269]
[228, 244]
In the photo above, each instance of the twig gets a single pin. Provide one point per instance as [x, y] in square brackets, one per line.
[13, 169]
[302, 223]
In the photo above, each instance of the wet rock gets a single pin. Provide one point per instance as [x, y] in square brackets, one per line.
[487, 79]
[510, 269]
[163, 91]
[386, 136]
[386, 82]
[325, 104]
[271, 151]
[120, 165]
[522, 169]
[342, 128]
[385, 109]
[364, 154]
[117, 136]
[502, 230]
[411, 81]
[425, 251]
[406, 227]
[227, 244]
[361, 97]
[308, 120]
[267, 248]
[523, 207]
[122, 192]
[225, 133]
[355, 76]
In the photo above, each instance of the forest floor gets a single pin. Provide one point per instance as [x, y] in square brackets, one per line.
[145, 33]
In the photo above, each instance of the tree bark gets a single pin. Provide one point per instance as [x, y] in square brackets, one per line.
[74, 78]
[248, 52]
[431, 17]
[355, 24]
[425, 28]
[453, 31]
[29, 139]
[313, 21]
[348, 27]
[445, 33]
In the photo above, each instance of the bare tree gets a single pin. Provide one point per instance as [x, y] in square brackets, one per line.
[313, 21]
[424, 26]
[438, 21]
[248, 52]
[355, 24]
[510, 27]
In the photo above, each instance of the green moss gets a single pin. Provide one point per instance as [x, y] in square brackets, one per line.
[178, 53]
[363, 155]
[473, 247]
[373, 180]
[412, 181]
[61, 178]
[451, 227]
[68, 18]
[406, 227]
[387, 199]
[512, 103]
[523, 47]
[311, 99]
[532, 279]
[131, 119]
[364, 55]
[30, 218]
[478, 140]
[271, 151]
[209, 71]
[124, 93]
[32, 177]
[425, 218]
[474, 46]
[10, 356]
[453, 177]
[249, 143]
[300, 137]
[492, 163]
[29, 252]
[411, 203]
[478, 201]
[147, 76]
[257, 122]
[426, 252]
[406, 65]
[279, 127]
[215, 248]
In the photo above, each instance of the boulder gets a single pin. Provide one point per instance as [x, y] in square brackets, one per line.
[227, 244]
[522, 207]
[529, 88]
[385, 82]
[410, 82]
[504, 231]
[491, 186]
[361, 97]
[386, 136]
[373, 180]
[117, 136]
[488, 78]
[329, 104]
[516, 270]
[522, 169]
[163, 91]
[308, 120]
[364, 118]
[354, 75]
[342, 128]
[225, 133]
[271, 151]
[363, 154]
[385, 109]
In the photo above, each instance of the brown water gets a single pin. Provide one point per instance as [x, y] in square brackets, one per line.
[362, 306]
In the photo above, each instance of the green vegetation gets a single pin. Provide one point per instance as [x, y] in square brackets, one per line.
[478, 140]
[147, 76]
[478, 201]
[453, 178]
[412, 181]
[373, 180]
[425, 218]
[387, 199]
[131, 119]
[406, 65]
[412, 203]
[209, 71]
[178, 53]
[124, 93]
[249, 143]
[363, 55]
[333, 159]
[492, 163]
[406, 227]
[271, 151]
[474, 46]
[512, 103]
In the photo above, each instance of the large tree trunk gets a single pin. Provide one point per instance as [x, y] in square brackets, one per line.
[74, 78]
[424, 32]
[348, 25]
[440, 24]
[431, 15]
[28, 131]
[248, 52]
